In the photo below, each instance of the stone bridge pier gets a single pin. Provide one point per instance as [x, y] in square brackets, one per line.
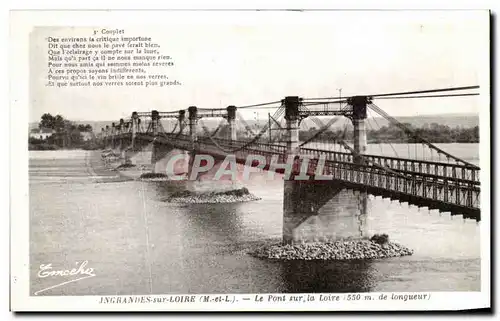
[323, 210]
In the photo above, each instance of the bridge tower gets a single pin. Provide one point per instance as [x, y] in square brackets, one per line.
[121, 141]
[322, 210]
[231, 119]
[182, 117]
[359, 122]
[359, 136]
[193, 134]
[135, 129]
[292, 118]
[113, 133]
[156, 150]
[103, 138]
[107, 137]
[121, 129]
[193, 125]
[155, 122]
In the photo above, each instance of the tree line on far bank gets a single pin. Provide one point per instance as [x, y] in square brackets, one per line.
[65, 134]
[434, 133]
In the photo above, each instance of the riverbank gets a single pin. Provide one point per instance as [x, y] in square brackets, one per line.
[42, 146]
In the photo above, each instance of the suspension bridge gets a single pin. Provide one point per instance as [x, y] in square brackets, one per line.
[427, 176]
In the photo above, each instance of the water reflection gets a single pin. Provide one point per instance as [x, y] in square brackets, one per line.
[220, 223]
[334, 276]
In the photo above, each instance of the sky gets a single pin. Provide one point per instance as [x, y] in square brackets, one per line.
[242, 58]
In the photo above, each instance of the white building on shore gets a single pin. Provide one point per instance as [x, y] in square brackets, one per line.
[41, 133]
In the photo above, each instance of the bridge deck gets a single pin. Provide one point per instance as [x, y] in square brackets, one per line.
[447, 187]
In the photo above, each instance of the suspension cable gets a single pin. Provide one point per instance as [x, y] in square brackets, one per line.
[175, 127]
[390, 144]
[430, 96]
[426, 91]
[321, 130]
[181, 129]
[257, 137]
[216, 129]
[247, 127]
[406, 93]
[259, 105]
[412, 133]
[371, 128]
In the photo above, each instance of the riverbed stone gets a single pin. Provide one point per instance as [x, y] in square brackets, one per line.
[338, 250]
[187, 197]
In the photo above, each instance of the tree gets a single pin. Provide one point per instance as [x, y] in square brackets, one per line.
[60, 123]
[47, 121]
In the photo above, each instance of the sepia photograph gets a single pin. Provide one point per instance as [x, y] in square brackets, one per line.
[289, 160]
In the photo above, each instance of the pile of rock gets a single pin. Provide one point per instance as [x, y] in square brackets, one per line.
[124, 167]
[108, 156]
[234, 196]
[108, 153]
[339, 250]
[153, 176]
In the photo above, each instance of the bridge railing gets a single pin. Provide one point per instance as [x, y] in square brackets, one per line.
[262, 149]
[413, 178]
[418, 183]
[419, 186]
[453, 173]
[438, 170]
[271, 148]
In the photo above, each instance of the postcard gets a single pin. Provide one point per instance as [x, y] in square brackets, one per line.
[310, 160]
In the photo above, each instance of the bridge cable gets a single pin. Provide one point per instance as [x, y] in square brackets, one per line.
[245, 107]
[320, 124]
[216, 129]
[425, 91]
[281, 129]
[175, 127]
[406, 129]
[280, 111]
[409, 131]
[239, 148]
[184, 125]
[247, 127]
[430, 96]
[379, 127]
[372, 130]
[257, 137]
[321, 130]
[324, 103]
[406, 92]
[365, 159]
[260, 105]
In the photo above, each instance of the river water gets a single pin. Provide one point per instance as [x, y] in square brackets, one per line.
[138, 244]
